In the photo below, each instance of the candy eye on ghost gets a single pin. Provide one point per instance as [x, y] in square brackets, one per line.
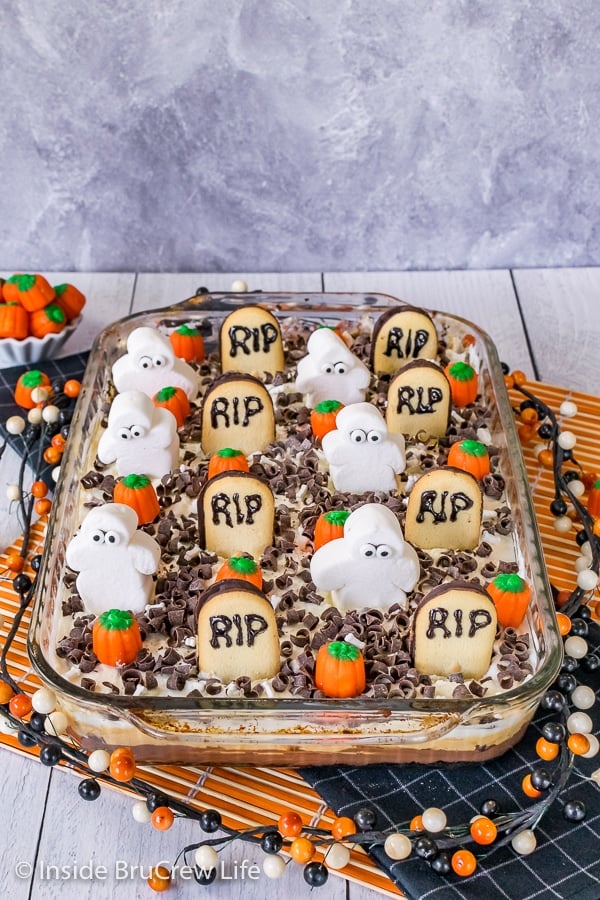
[340, 368]
[384, 551]
[327, 368]
[145, 362]
[98, 536]
[358, 436]
[111, 537]
[137, 431]
[159, 361]
[124, 434]
[368, 551]
[373, 437]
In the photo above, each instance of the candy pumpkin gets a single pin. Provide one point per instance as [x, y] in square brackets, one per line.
[241, 567]
[14, 321]
[593, 503]
[187, 343]
[31, 291]
[27, 383]
[137, 492]
[227, 460]
[511, 595]
[330, 526]
[463, 383]
[116, 638]
[175, 400]
[340, 670]
[70, 300]
[470, 456]
[49, 320]
[323, 416]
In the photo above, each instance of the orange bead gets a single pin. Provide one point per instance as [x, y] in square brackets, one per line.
[72, 388]
[578, 743]
[564, 622]
[15, 562]
[529, 415]
[20, 705]
[39, 489]
[561, 599]
[159, 879]
[342, 827]
[546, 458]
[162, 818]
[463, 862]
[52, 455]
[302, 850]
[483, 830]
[468, 340]
[526, 433]
[122, 765]
[42, 506]
[6, 692]
[596, 527]
[59, 442]
[546, 750]
[529, 789]
[289, 824]
[509, 381]
[519, 377]
[416, 824]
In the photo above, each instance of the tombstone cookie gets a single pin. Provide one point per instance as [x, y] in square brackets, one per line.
[237, 411]
[362, 454]
[444, 510]
[114, 560]
[250, 341]
[401, 335]
[150, 364]
[371, 565]
[140, 438]
[331, 371]
[236, 510]
[419, 401]
[237, 633]
[454, 628]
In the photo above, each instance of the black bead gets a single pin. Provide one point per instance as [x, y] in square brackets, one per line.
[89, 789]
[584, 613]
[425, 847]
[57, 387]
[37, 722]
[566, 682]
[541, 779]
[205, 876]
[567, 454]
[554, 701]
[569, 664]
[22, 583]
[581, 537]
[579, 627]
[505, 368]
[555, 732]
[490, 808]
[574, 811]
[154, 800]
[315, 874]
[32, 432]
[590, 663]
[210, 820]
[50, 755]
[365, 818]
[441, 863]
[571, 475]
[64, 432]
[271, 842]
[36, 562]
[65, 416]
[25, 739]
[545, 431]
[558, 507]
[526, 404]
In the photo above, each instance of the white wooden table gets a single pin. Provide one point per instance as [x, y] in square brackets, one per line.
[546, 322]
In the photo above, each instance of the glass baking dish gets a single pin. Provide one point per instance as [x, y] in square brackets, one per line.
[284, 731]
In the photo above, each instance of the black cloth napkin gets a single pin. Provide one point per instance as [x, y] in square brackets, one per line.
[566, 862]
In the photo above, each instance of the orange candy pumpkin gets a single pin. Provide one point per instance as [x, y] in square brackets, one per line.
[340, 670]
[31, 291]
[470, 456]
[49, 320]
[323, 416]
[593, 503]
[463, 383]
[330, 526]
[137, 492]
[227, 460]
[511, 595]
[187, 343]
[70, 300]
[14, 321]
[116, 638]
[175, 400]
[27, 383]
[241, 567]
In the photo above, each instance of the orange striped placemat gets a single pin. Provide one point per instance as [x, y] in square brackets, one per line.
[251, 797]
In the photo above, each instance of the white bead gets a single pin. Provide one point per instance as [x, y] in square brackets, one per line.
[524, 843]
[397, 846]
[566, 440]
[6, 727]
[576, 646]
[15, 424]
[141, 813]
[273, 865]
[594, 747]
[582, 562]
[579, 723]
[538, 449]
[586, 549]
[13, 492]
[44, 701]
[206, 857]
[577, 488]
[337, 857]
[583, 696]
[39, 395]
[562, 524]
[50, 413]
[56, 722]
[55, 473]
[434, 819]
[568, 409]
[99, 760]
[34, 416]
[239, 286]
[587, 580]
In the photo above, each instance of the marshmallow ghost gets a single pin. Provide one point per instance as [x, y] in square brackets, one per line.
[150, 365]
[141, 439]
[115, 561]
[371, 566]
[362, 454]
[331, 371]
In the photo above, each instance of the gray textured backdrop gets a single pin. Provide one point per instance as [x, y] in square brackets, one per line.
[234, 135]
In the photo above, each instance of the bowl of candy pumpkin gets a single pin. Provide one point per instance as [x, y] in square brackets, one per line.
[36, 318]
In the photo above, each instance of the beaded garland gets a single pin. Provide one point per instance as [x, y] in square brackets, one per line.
[447, 849]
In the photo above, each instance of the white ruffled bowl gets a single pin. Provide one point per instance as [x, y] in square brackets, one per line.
[33, 349]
